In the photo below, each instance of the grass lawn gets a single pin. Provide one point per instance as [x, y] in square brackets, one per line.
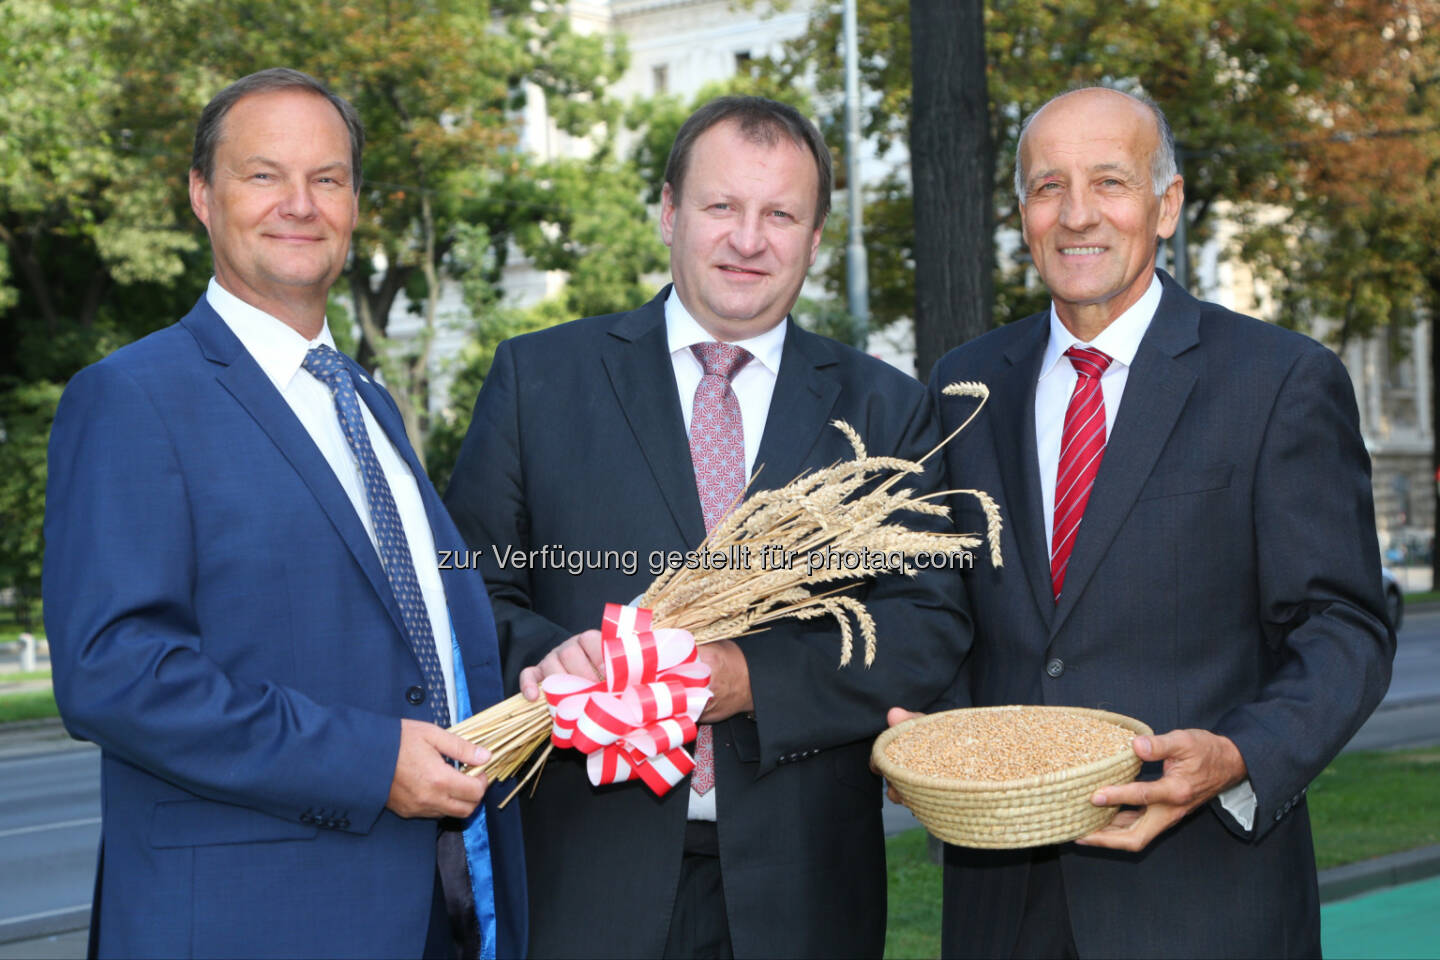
[32, 705]
[1363, 805]
[1424, 596]
[23, 677]
[913, 929]
[1375, 802]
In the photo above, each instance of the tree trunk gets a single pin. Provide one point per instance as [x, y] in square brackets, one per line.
[372, 308]
[952, 167]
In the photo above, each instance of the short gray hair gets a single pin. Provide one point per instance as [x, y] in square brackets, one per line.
[1162, 162]
[208, 130]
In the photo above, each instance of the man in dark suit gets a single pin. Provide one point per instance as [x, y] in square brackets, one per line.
[244, 606]
[586, 437]
[1200, 555]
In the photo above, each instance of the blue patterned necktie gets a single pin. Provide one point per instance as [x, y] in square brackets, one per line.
[462, 859]
[327, 366]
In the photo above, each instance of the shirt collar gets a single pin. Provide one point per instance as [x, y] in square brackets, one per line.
[1121, 339]
[682, 331]
[275, 345]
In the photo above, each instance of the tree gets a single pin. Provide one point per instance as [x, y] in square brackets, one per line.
[1356, 249]
[437, 84]
[98, 100]
[953, 168]
[89, 220]
[1226, 71]
[585, 217]
[26, 411]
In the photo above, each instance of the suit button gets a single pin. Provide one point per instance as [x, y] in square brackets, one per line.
[415, 695]
[1279, 814]
[306, 819]
[1055, 667]
[343, 823]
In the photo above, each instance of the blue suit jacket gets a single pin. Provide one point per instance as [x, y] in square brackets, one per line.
[220, 625]
[1225, 577]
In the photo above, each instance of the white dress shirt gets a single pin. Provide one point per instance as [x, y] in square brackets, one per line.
[754, 384]
[1121, 339]
[279, 350]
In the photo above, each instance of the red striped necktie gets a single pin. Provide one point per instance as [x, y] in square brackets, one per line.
[1082, 444]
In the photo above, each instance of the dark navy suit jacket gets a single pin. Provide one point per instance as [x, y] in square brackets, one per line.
[220, 625]
[578, 441]
[1225, 577]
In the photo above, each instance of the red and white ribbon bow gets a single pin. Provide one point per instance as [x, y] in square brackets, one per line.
[634, 722]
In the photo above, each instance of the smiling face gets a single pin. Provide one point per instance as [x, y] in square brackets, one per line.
[742, 235]
[1091, 216]
[280, 206]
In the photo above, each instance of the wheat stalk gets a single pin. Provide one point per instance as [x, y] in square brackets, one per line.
[847, 510]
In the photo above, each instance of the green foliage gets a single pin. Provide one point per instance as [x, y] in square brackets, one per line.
[470, 368]
[26, 412]
[656, 121]
[912, 927]
[1239, 80]
[829, 318]
[588, 218]
[98, 246]
[1357, 245]
[34, 705]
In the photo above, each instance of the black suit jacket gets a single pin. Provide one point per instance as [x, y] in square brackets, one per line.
[1225, 577]
[578, 440]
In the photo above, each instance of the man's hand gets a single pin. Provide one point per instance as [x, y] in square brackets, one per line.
[729, 680]
[1198, 765]
[580, 655]
[896, 715]
[425, 785]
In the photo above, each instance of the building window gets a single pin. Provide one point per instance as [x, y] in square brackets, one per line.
[660, 73]
[742, 61]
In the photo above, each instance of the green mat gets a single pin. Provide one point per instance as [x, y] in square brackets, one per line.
[1391, 923]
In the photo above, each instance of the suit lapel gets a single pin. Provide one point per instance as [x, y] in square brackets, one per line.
[465, 598]
[1018, 460]
[637, 360]
[1155, 395]
[799, 408]
[238, 373]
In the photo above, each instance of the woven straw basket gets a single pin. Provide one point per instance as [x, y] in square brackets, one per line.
[1009, 814]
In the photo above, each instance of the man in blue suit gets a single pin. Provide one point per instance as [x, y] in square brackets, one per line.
[244, 606]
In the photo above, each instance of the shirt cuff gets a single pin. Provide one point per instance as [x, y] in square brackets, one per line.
[1239, 801]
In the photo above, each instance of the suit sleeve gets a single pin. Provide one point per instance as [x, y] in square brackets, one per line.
[130, 668]
[804, 701]
[1319, 576]
[486, 499]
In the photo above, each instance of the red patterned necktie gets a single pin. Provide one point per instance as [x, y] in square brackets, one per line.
[717, 451]
[1082, 444]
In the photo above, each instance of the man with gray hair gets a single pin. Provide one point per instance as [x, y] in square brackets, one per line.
[1191, 542]
[244, 603]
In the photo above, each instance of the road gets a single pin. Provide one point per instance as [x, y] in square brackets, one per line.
[49, 833]
[50, 801]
